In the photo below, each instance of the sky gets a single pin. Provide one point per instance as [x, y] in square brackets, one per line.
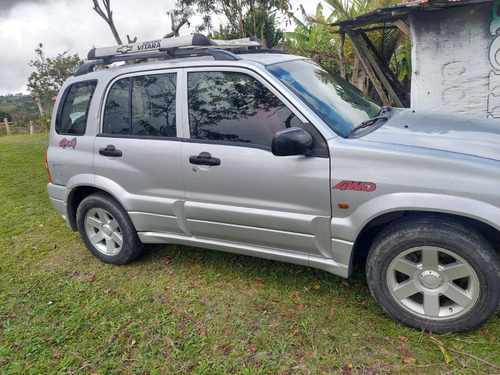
[73, 26]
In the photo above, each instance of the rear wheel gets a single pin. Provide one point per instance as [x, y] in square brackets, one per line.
[435, 275]
[107, 230]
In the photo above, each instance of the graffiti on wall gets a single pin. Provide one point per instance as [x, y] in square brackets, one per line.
[453, 74]
[494, 58]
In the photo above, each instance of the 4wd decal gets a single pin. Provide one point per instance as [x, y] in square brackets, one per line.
[65, 143]
[355, 185]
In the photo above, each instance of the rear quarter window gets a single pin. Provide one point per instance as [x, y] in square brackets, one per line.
[72, 115]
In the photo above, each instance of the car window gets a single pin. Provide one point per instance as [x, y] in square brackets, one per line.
[142, 106]
[235, 107]
[337, 102]
[72, 118]
[117, 109]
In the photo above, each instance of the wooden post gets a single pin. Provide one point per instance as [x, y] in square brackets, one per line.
[342, 63]
[32, 128]
[368, 68]
[7, 127]
[403, 26]
[391, 77]
[380, 74]
[368, 59]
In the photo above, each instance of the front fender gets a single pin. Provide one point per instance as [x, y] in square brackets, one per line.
[348, 228]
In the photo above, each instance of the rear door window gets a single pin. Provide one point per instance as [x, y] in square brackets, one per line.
[142, 106]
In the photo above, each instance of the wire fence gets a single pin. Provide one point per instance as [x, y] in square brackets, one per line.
[9, 128]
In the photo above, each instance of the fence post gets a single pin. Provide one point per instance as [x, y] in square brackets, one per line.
[7, 127]
[32, 128]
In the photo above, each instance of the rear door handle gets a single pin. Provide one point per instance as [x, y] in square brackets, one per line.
[204, 159]
[110, 150]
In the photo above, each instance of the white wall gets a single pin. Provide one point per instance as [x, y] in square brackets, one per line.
[456, 60]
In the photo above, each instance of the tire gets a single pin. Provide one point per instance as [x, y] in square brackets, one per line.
[434, 275]
[107, 230]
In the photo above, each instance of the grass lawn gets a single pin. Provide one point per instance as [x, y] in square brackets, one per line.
[187, 310]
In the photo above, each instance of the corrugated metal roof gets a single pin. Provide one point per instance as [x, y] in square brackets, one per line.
[401, 11]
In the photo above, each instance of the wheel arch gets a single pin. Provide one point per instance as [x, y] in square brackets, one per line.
[371, 229]
[83, 186]
[75, 197]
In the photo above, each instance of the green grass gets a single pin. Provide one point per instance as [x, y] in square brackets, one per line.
[185, 310]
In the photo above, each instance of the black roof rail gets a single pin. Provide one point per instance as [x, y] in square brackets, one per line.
[217, 54]
[88, 67]
[242, 51]
[167, 54]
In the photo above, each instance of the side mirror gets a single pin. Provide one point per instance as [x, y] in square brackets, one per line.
[291, 141]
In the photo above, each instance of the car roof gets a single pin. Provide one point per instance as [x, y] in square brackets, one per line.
[247, 59]
[270, 58]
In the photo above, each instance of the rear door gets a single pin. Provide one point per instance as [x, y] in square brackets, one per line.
[136, 154]
[236, 189]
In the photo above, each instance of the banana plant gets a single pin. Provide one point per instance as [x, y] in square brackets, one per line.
[313, 39]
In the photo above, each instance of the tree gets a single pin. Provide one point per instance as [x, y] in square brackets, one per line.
[6, 115]
[50, 74]
[245, 18]
[107, 15]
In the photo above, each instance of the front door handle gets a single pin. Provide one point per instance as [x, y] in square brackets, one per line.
[204, 159]
[110, 150]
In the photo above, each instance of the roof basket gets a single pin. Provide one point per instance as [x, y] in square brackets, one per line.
[168, 44]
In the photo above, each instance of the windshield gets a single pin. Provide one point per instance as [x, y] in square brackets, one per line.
[333, 99]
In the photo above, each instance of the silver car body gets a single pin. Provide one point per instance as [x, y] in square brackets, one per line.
[299, 209]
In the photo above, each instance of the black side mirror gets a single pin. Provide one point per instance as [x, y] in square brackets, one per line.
[291, 141]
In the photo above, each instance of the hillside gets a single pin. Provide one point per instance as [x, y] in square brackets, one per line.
[20, 110]
[15, 103]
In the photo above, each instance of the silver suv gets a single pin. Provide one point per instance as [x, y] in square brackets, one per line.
[226, 146]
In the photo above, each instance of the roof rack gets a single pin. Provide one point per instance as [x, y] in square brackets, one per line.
[171, 48]
[162, 45]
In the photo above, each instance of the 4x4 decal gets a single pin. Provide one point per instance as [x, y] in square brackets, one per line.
[355, 185]
[67, 143]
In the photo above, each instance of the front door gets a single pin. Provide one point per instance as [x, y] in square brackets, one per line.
[236, 189]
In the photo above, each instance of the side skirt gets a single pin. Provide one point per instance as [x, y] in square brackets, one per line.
[302, 259]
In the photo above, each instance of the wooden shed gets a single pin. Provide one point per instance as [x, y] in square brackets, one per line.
[455, 54]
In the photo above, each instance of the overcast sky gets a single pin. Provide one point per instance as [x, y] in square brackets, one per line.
[74, 26]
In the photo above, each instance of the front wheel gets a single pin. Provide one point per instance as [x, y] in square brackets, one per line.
[435, 275]
[107, 230]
